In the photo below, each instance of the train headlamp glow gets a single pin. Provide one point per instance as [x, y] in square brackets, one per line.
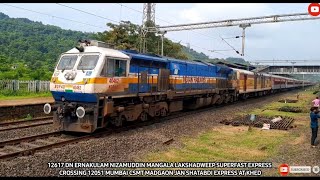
[70, 75]
[47, 108]
[80, 112]
[85, 80]
[63, 99]
[54, 79]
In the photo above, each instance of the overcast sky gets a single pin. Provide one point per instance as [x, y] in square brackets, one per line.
[287, 40]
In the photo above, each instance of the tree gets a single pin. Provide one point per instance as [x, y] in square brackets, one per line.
[122, 36]
[126, 35]
[35, 47]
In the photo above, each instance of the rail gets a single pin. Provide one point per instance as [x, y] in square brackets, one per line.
[21, 124]
[12, 148]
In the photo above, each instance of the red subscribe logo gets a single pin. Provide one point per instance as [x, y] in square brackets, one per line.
[284, 169]
[314, 9]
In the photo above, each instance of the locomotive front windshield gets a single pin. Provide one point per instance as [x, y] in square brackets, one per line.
[67, 62]
[88, 62]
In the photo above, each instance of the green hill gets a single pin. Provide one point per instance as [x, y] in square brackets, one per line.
[237, 60]
[192, 54]
[29, 49]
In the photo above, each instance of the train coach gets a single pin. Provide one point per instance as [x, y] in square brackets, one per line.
[250, 84]
[94, 86]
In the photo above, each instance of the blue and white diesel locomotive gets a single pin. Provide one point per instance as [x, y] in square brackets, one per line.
[94, 85]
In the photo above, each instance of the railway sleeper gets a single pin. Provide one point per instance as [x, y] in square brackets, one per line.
[43, 141]
[30, 145]
[56, 139]
[15, 148]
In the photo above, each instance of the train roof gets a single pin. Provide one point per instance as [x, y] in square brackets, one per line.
[153, 57]
[186, 61]
[265, 74]
[148, 57]
[96, 49]
[243, 71]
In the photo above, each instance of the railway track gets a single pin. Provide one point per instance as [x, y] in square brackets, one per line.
[31, 144]
[5, 126]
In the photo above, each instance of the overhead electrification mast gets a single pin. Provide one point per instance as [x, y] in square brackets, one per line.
[242, 23]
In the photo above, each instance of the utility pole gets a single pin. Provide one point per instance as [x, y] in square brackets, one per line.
[161, 33]
[147, 19]
[162, 44]
[303, 81]
[243, 26]
[293, 65]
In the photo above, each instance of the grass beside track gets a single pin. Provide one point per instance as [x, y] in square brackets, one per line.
[225, 143]
[234, 144]
[304, 103]
[22, 95]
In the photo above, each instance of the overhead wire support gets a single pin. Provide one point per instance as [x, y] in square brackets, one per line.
[230, 45]
[242, 23]
[221, 50]
[237, 22]
[285, 61]
[235, 37]
[161, 19]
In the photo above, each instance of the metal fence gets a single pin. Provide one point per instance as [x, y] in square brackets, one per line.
[28, 86]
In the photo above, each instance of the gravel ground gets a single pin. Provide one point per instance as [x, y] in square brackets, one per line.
[297, 152]
[18, 133]
[124, 146]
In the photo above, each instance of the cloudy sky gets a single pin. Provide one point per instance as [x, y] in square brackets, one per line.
[287, 40]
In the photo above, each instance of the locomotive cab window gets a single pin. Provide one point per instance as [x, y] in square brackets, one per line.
[88, 62]
[116, 68]
[67, 62]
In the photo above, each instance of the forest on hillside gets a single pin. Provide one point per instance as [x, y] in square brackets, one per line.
[30, 50]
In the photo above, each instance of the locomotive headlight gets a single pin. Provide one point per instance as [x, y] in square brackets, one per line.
[85, 80]
[80, 112]
[54, 79]
[47, 108]
[63, 99]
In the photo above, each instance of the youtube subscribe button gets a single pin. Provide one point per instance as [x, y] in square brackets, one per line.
[314, 9]
[285, 169]
[300, 169]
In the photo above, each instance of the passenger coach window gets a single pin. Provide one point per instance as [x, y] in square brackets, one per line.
[67, 62]
[116, 68]
[88, 62]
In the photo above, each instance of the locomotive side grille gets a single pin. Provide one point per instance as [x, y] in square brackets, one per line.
[163, 83]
